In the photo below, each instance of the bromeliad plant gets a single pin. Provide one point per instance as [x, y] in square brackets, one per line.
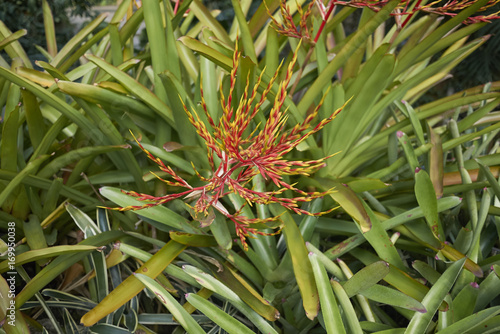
[403, 253]
[238, 153]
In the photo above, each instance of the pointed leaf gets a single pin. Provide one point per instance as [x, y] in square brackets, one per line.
[366, 277]
[184, 318]
[329, 307]
[131, 286]
[434, 298]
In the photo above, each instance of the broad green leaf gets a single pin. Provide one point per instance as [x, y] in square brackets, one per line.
[194, 240]
[248, 294]
[213, 284]
[98, 95]
[136, 88]
[246, 37]
[220, 231]
[12, 38]
[434, 298]
[426, 198]
[60, 264]
[34, 235]
[55, 102]
[211, 54]
[224, 320]
[397, 278]
[34, 118]
[462, 303]
[86, 225]
[14, 48]
[301, 265]
[492, 180]
[366, 277]
[170, 157]
[203, 14]
[389, 296]
[158, 213]
[131, 286]
[488, 290]
[186, 321]
[329, 307]
[30, 168]
[350, 314]
[54, 166]
[474, 321]
[50, 33]
[76, 41]
[350, 202]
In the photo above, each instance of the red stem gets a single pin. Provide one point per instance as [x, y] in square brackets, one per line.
[330, 9]
[176, 6]
[410, 15]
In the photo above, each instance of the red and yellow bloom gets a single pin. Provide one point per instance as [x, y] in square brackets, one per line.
[236, 157]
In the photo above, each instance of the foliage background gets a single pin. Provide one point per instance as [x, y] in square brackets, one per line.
[416, 183]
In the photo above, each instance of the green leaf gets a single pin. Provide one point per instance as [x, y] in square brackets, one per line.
[366, 277]
[12, 38]
[475, 320]
[216, 286]
[464, 300]
[213, 55]
[131, 286]
[420, 321]
[350, 202]
[45, 253]
[75, 42]
[176, 309]
[426, 198]
[329, 307]
[14, 48]
[86, 225]
[247, 293]
[34, 235]
[194, 240]
[204, 15]
[60, 264]
[34, 118]
[30, 168]
[301, 265]
[224, 320]
[340, 58]
[55, 102]
[98, 95]
[14, 322]
[50, 33]
[220, 230]
[389, 296]
[136, 88]
[246, 37]
[349, 312]
[158, 213]
[54, 166]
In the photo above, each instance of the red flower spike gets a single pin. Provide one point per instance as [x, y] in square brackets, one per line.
[244, 156]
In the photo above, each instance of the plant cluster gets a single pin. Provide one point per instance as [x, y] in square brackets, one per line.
[278, 176]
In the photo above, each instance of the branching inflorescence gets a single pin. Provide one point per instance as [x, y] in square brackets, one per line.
[406, 9]
[237, 153]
